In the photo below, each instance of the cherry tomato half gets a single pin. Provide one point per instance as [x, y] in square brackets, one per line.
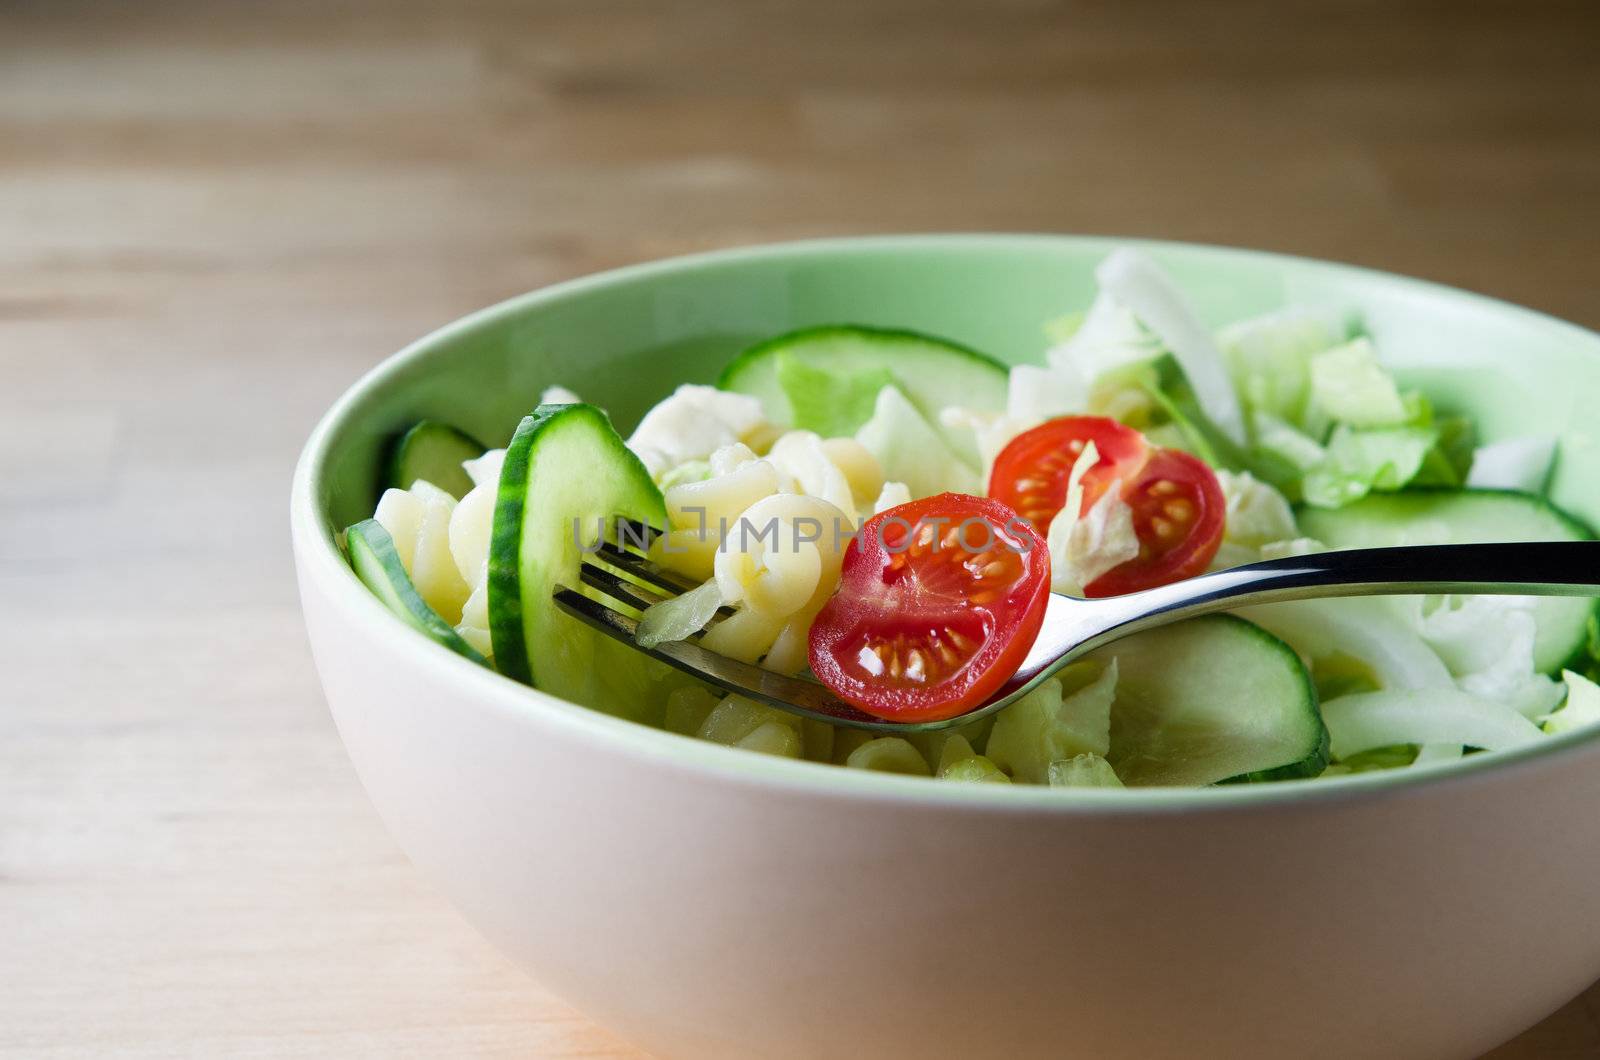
[1030, 474]
[1178, 514]
[939, 601]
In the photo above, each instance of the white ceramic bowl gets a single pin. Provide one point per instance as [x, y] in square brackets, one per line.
[707, 902]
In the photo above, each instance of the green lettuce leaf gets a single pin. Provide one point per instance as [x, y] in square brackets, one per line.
[1349, 386]
[1580, 709]
[1269, 357]
[1361, 461]
[910, 450]
[830, 402]
[1449, 462]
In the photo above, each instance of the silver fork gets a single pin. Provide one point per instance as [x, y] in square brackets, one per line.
[1074, 627]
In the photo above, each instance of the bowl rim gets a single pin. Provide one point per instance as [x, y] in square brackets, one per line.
[317, 557]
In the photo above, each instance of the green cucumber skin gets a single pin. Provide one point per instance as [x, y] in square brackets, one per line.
[1574, 652]
[505, 547]
[1317, 760]
[1313, 765]
[1585, 658]
[1581, 530]
[507, 566]
[416, 452]
[754, 370]
[737, 367]
[1314, 756]
[369, 541]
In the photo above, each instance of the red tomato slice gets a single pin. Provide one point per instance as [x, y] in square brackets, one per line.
[1031, 472]
[939, 601]
[1178, 514]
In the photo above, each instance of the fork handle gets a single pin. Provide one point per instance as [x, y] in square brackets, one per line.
[1537, 568]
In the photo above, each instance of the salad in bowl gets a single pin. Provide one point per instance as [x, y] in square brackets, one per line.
[887, 510]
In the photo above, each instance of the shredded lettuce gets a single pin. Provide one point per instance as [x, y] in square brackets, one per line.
[910, 450]
[1158, 389]
[1083, 771]
[1048, 726]
[1422, 716]
[1087, 545]
[1063, 327]
[1447, 463]
[1108, 337]
[1421, 451]
[1138, 283]
[1036, 394]
[1581, 709]
[1366, 629]
[1270, 357]
[679, 617]
[1486, 642]
[1396, 757]
[1280, 440]
[1514, 464]
[1257, 513]
[1431, 753]
[829, 401]
[1258, 517]
[1361, 461]
[1349, 386]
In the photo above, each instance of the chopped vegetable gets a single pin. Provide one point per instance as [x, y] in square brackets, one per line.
[1581, 709]
[1358, 462]
[1270, 357]
[1349, 386]
[1046, 726]
[1421, 716]
[817, 505]
[1083, 771]
[909, 450]
[1135, 281]
[1521, 464]
[939, 601]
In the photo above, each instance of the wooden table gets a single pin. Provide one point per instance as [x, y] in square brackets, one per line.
[214, 216]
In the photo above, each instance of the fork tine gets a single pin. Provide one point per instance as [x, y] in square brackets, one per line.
[638, 566]
[806, 698]
[633, 532]
[617, 588]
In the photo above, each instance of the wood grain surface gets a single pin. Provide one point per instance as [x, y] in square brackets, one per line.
[213, 216]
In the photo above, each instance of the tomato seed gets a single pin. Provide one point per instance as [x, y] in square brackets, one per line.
[1179, 509]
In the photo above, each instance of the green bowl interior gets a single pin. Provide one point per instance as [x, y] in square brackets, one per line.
[623, 339]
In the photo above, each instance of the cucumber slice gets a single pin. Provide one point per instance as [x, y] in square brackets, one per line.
[566, 468]
[826, 378]
[1212, 700]
[1436, 517]
[433, 452]
[377, 564]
